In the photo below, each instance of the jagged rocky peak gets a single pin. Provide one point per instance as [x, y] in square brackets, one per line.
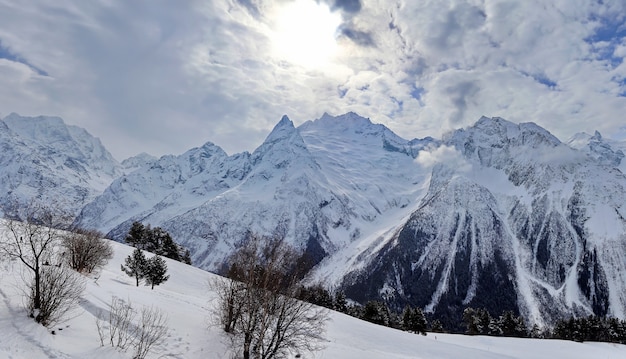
[349, 123]
[496, 142]
[64, 140]
[284, 129]
[498, 132]
[597, 136]
[281, 146]
[46, 128]
[356, 128]
[138, 161]
[605, 151]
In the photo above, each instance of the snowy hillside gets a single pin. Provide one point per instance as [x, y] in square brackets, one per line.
[186, 299]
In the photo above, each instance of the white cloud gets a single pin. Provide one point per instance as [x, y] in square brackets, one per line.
[444, 155]
[165, 76]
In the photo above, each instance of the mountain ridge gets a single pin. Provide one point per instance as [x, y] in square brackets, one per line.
[439, 224]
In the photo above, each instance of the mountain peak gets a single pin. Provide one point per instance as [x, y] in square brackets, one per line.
[283, 129]
[497, 129]
[596, 136]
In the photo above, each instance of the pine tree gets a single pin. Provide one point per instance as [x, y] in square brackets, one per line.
[340, 302]
[436, 326]
[135, 265]
[136, 235]
[157, 241]
[413, 320]
[185, 257]
[155, 271]
[377, 312]
[470, 318]
[169, 248]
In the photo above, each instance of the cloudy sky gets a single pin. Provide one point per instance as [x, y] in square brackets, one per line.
[164, 76]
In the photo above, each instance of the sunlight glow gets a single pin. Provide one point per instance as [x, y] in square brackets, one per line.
[305, 33]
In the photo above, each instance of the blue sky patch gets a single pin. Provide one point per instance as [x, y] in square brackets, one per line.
[611, 31]
[6, 53]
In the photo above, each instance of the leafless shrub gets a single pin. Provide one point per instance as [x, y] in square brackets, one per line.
[151, 329]
[60, 290]
[119, 330]
[86, 250]
[257, 308]
[123, 329]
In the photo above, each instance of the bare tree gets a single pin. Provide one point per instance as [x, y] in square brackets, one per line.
[258, 308]
[33, 234]
[86, 250]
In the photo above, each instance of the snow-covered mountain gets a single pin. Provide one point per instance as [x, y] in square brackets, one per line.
[319, 186]
[606, 151]
[497, 215]
[525, 223]
[42, 157]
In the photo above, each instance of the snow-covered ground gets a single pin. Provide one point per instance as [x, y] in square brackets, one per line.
[187, 300]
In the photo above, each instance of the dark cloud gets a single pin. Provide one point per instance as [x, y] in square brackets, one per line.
[252, 8]
[348, 6]
[361, 38]
[450, 30]
[460, 94]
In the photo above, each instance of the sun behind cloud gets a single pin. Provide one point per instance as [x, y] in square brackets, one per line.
[304, 33]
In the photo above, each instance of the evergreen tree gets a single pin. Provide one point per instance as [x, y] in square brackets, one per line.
[166, 246]
[413, 320]
[136, 235]
[436, 326]
[156, 240]
[135, 265]
[340, 302]
[472, 323]
[377, 312]
[508, 324]
[185, 256]
[155, 271]
[536, 332]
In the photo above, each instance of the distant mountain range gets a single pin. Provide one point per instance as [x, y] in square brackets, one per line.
[498, 215]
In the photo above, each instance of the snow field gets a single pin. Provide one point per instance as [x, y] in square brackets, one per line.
[187, 300]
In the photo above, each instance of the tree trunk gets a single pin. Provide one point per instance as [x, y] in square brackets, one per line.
[246, 345]
[37, 299]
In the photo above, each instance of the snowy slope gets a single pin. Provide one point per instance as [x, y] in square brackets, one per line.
[43, 158]
[186, 299]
